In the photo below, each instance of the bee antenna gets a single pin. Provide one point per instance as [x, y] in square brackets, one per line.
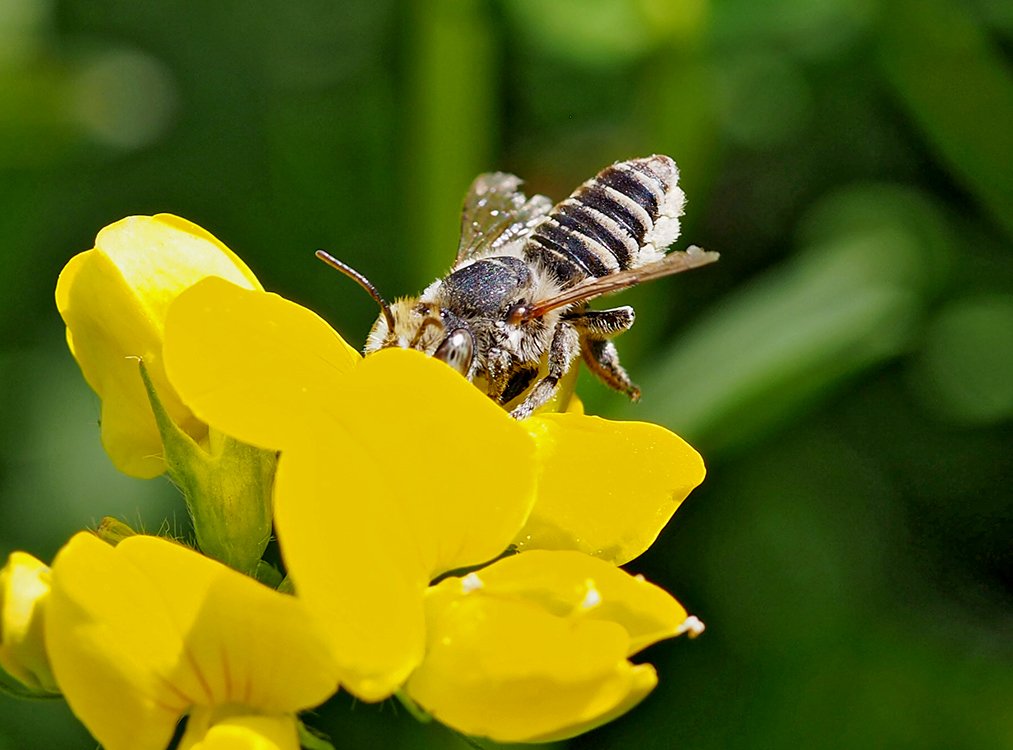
[361, 281]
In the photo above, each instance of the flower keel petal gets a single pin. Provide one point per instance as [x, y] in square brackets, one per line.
[572, 584]
[511, 672]
[204, 731]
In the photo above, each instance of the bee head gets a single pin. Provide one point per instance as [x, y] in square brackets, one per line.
[421, 325]
[412, 324]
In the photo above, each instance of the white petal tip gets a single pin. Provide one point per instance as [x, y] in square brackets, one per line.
[692, 626]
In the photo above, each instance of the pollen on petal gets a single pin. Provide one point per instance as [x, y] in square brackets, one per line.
[471, 582]
[592, 598]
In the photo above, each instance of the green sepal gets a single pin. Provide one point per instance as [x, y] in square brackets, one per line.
[113, 531]
[417, 712]
[311, 739]
[267, 574]
[10, 685]
[227, 487]
[287, 586]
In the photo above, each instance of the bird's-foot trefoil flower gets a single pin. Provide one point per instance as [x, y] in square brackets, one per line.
[399, 491]
[144, 633]
[438, 549]
[394, 471]
[114, 299]
[536, 647]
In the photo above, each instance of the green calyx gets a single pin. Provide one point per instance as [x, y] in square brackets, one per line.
[227, 486]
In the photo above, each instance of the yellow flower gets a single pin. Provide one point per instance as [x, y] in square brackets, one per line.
[535, 647]
[267, 371]
[394, 471]
[146, 632]
[24, 592]
[391, 469]
[113, 299]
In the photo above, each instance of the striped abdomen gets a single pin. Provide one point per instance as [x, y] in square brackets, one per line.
[622, 218]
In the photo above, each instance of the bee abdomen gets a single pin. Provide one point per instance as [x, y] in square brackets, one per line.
[622, 218]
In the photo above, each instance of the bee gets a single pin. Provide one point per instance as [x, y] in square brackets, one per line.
[512, 315]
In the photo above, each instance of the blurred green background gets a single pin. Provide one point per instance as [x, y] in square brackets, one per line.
[846, 369]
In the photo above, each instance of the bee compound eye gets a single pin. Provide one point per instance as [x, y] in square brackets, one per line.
[457, 350]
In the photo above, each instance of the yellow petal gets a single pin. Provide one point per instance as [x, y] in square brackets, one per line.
[141, 632]
[394, 469]
[606, 488]
[205, 730]
[355, 567]
[399, 425]
[508, 670]
[642, 680]
[113, 299]
[572, 584]
[416, 473]
[256, 366]
[24, 591]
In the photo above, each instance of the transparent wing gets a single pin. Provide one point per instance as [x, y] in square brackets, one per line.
[674, 262]
[497, 214]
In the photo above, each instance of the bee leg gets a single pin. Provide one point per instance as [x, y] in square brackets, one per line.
[562, 351]
[602, 359]
[602, 324]
[599, 353]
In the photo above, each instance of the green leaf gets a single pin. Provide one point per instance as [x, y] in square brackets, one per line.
[956, 86]
[451, 122]
[847, 302]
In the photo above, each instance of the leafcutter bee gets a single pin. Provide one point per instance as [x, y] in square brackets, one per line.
[512, 315]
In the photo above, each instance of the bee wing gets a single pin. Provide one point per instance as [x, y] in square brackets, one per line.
[674, 262]
[497, 214]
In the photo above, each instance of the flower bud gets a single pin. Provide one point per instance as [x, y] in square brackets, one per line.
[24, 590]
[114, 299]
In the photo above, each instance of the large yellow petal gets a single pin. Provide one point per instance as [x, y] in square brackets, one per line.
[113, 299]
[354, 564]
[508, 670]
[394, 469]
[572, 584]
[460, 469]
[398, 424]
[606, 488]
[256, 366]
[140, 633]
[416, 474]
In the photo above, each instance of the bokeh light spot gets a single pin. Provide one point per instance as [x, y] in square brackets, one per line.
[965, 372]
